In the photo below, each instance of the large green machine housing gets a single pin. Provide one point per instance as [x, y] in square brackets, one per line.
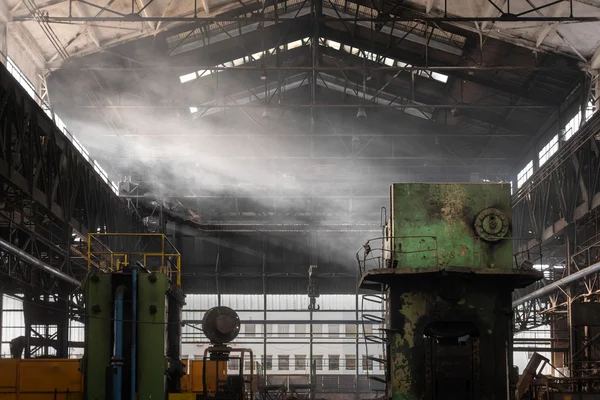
[448, 275]
[150, 337]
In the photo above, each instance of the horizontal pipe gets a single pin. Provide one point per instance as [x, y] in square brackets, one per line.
[187, 68]
[295, 322]
[559, 283]
[24, 256]
[260, 18]
[367, 104]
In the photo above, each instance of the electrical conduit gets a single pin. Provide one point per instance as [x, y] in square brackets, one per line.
[133, 330]
[117, 360]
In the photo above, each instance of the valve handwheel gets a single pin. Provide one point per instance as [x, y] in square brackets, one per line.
[491, 224]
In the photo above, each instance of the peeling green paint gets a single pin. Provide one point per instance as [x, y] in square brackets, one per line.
[433, 225]
[433, 291]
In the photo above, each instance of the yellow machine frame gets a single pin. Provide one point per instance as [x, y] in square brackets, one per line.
[35, 379]
[100, 256]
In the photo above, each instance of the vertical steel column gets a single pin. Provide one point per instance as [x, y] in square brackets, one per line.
[316, 13]
[356, 336]
[134, 278]
[117, 360]
[264, 285]
[569, 243]
[313, 261]
[1, 313]
[596, 79]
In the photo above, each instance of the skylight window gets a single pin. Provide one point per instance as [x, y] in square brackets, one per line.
[333, 44]
[572, 126]
[525, 174]
[390, 62]
[295, 44]
[590, 109]
[240, 61]
[193, 109]
[548, 150]
[188, 77]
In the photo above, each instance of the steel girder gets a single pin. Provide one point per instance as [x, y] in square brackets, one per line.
[555, 224]
[254, 12]
[565, 190]
[40, 163]
[50, 198]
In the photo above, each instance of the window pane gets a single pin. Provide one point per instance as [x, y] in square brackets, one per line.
[250, 329]
[350, 330]
[334, 362]
[233, 364]
[317, 328]
[269, 363]
[283, 328]
[318, 362]
[334, 330]
[284, 362]
[300, 329]
[350, 362]
[300, 362]
[367, 364]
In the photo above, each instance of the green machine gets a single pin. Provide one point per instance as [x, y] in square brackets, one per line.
[132, 335]
[448, 275]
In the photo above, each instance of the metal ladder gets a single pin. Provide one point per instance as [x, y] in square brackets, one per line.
[377, 336]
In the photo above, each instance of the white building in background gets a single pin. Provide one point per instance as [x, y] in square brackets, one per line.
[338, 332]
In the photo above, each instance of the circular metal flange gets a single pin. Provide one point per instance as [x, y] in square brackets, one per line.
[221, 325]
[491, 224]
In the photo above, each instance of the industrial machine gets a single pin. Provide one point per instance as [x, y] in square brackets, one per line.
[132, 335]
[221, 325]
[133, 305]
[448, 275]
[133, 319]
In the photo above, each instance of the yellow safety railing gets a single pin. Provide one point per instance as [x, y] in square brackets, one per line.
[153, 250]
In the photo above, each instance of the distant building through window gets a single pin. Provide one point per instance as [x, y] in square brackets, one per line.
[300, 362]
[334, 330]
[350, 330]
[250, 329]
[283, 329]
[233, 364]
[334, 362]
[317, 329]
[318, 362]
[300, 329]
[269, 363]
[350, 362]
[367, 364]
[283, 362]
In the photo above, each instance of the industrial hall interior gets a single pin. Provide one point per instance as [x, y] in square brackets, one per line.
[299, 199]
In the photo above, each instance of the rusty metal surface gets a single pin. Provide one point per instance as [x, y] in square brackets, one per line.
[449, 314]
[451, 225]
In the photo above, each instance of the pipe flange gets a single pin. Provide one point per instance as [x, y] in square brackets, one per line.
[491, 224]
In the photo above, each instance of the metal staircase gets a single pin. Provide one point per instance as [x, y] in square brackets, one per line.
[375, 336]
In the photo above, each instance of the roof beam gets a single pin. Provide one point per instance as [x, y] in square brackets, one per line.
[5, 14]
[417, 59]
[595, 60]
[429, 6]
[545, 30]
[28, 44]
